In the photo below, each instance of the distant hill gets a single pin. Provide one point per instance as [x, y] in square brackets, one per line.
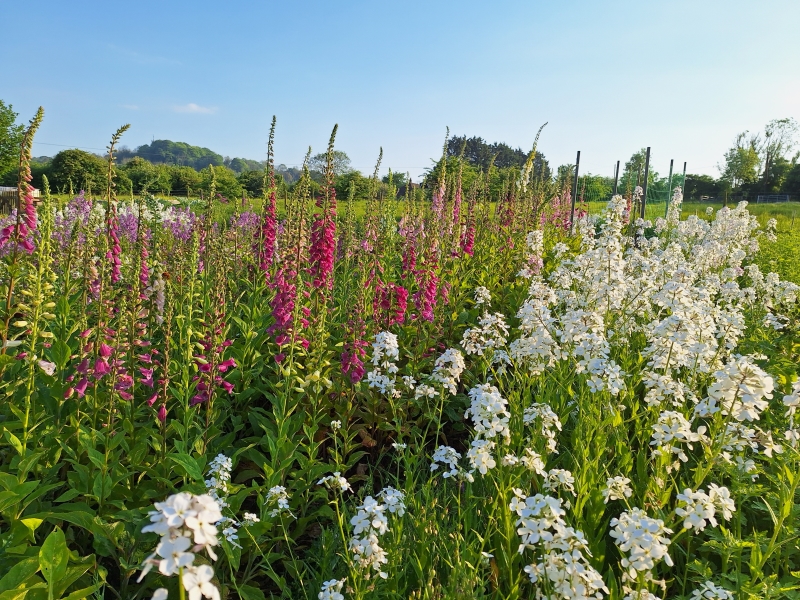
[174, 153]
[181, 153]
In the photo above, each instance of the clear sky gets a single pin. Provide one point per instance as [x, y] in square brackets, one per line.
[609, 77]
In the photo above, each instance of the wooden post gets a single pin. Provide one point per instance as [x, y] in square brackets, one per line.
[574, 193]
[616, 179]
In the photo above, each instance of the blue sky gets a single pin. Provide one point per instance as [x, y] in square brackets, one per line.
[609, 77]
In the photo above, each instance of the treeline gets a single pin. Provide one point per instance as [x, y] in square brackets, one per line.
[72, 170]
[764, 162]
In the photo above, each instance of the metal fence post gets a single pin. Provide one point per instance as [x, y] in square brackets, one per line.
[669, 188]
[646, 176]
[574, 193]
[684, 177]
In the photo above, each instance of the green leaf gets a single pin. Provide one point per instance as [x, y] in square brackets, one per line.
[5, 359]
[14, 441]
[68, 495]
[73, 574]
[19, 573]
[102, 486]
[8, 499]
[53, 557]
[84, 593]
[248, 592]
[189, 465]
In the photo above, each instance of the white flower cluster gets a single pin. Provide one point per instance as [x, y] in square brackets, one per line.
[741, 389]
[369, 524]
[385, 353]
[775, 322]
[490, 335]
[448, 368]
[187, 525]
[563, 567]
[480, 456]
[219, 475]
[551, 424]
[671, 433]
[683, 290]
[489, 412]
[335, 482]
[331, 590]
[534, 250]
[664, 389]
[710, 591]
[482, 296]
[617, 488]
[425, 391]
[217, 487]
[792, 403]
[448, 458]
[559, 479]
[278, 496]
[642, 539]
[698, 507]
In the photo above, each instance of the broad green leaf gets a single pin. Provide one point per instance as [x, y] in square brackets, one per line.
[53, 556]
[84, 593]
[14, 441]
[72, 575]
[248, 592]
[19, 573]
[68, 495]
[102, 486]
[189, 465]
[8, 499]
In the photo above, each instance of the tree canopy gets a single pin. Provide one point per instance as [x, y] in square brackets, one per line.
[174, 153]
[10, 140]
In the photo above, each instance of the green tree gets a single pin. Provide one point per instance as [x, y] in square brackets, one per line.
[633, 173]
[252, 181]
[593, 188]
[481, 154]
[779, 139]
[398, 179]
[341, 162]
[240, 165]
[226, 182]
[792, 183]
[742, 161]
[185, 180]
[363, 185]
[179, 153]
[142, 173]
[10, 140]
[79, 170]
[698, 186]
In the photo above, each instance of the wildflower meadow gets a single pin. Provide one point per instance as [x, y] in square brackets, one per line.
[453, 393]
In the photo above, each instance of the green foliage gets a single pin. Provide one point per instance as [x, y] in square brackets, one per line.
[633, 172]
[341, 163]
[481, 154]
[240, 165]
[742, 162]
[226, 183]
[178, 153]
[362, 185]
[700, 185]
[10, 139]
[78, 169]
